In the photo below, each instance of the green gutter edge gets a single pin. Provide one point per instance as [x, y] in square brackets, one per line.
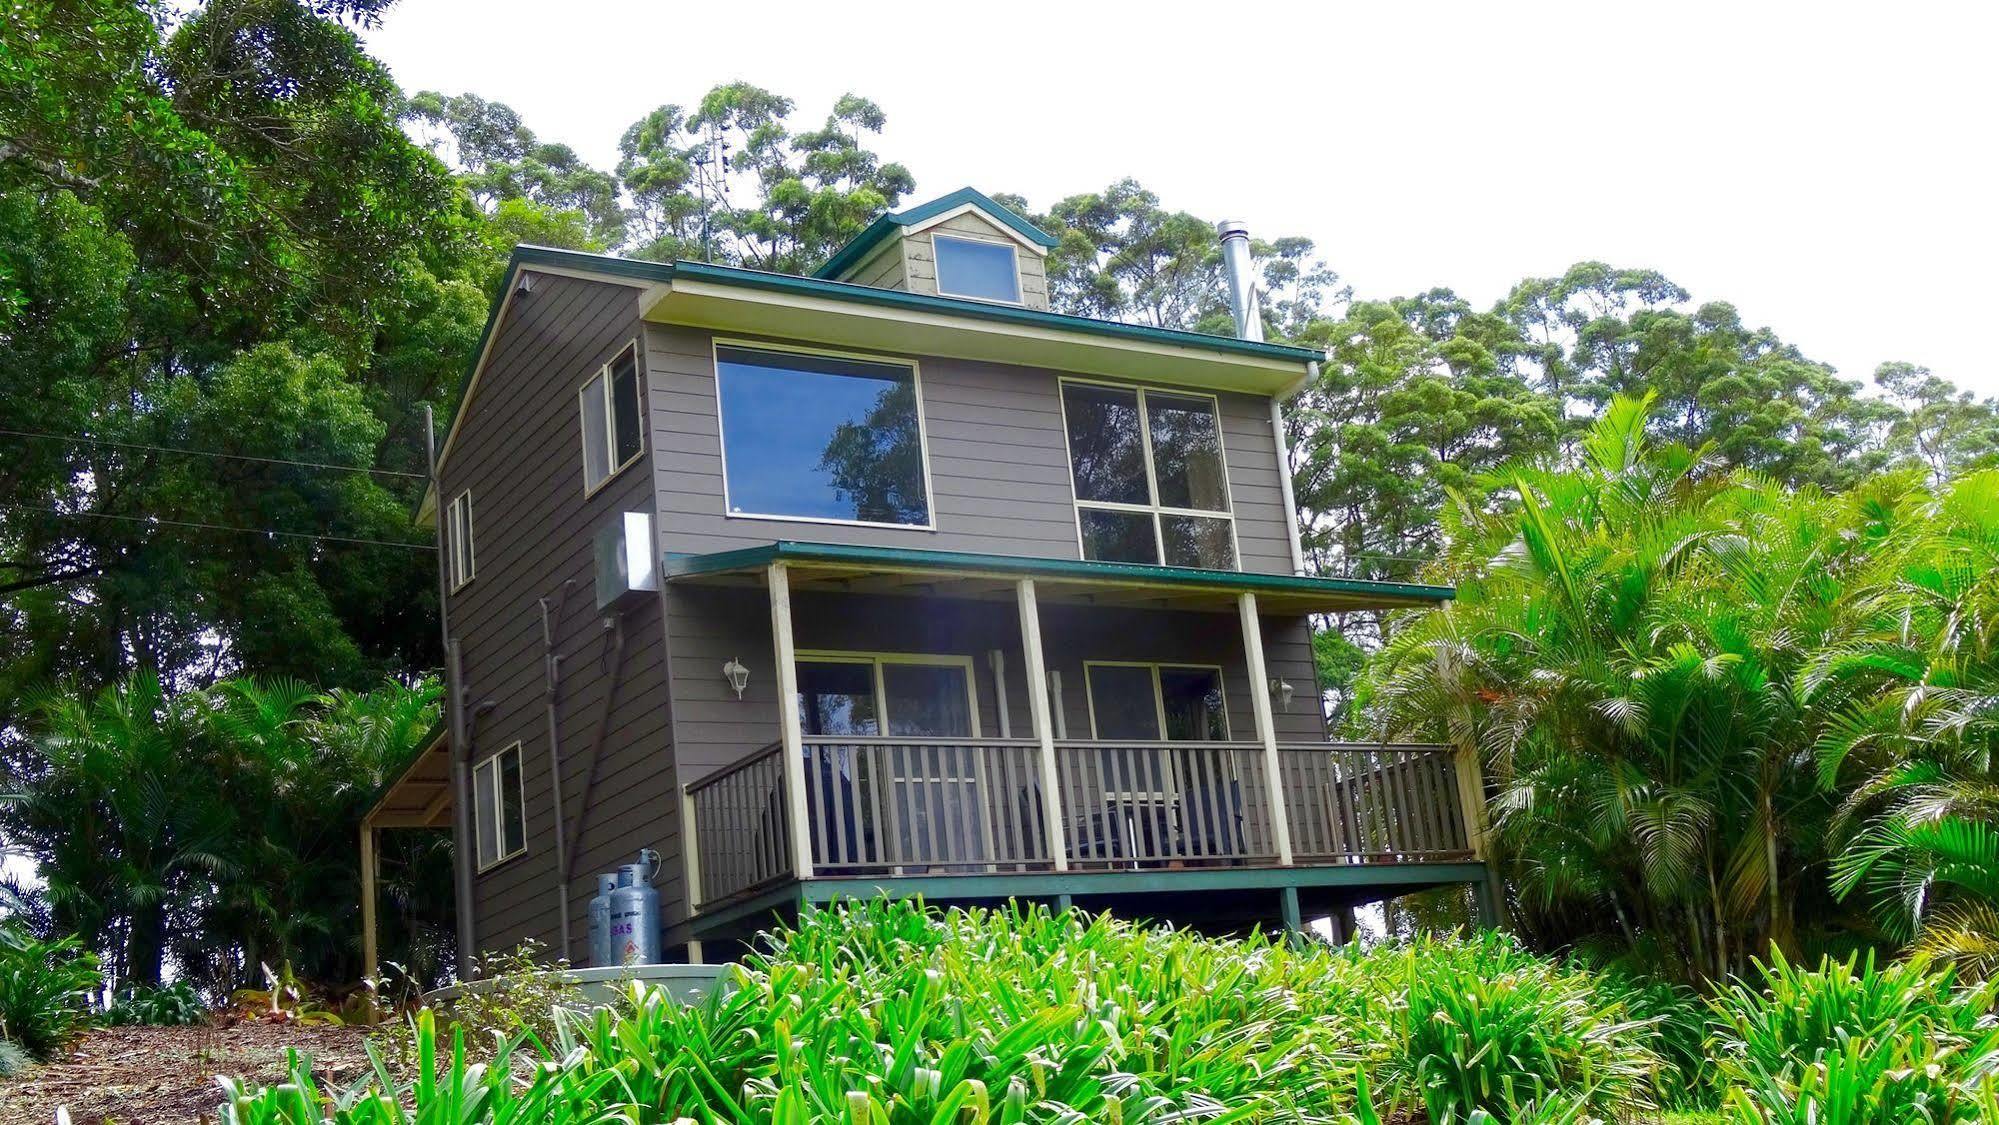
[787, 550]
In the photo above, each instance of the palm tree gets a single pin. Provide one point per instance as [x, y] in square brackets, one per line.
[1914, 748]
[120, 824]
[1626, 653]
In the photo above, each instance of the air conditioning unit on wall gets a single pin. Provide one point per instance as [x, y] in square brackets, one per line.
[625, 558]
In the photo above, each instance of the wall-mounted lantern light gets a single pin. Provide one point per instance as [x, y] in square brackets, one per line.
[737, 675]
[1282, 691]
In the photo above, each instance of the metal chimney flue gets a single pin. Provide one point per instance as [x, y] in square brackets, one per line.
[1241, 279]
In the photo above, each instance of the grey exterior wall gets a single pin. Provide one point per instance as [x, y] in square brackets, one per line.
[998, 466]
[999, 484]
[519, 450]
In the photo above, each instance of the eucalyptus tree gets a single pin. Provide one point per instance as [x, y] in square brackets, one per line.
[1937, 426]
[1121, 255]
[526, 184]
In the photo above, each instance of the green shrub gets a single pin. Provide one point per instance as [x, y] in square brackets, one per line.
[45, 990]
[1491, 1028]
[884, 1012]
[13, 1060]
[170, 1005]
[1849, 1044]
[1678, 1022]
[519, 1001]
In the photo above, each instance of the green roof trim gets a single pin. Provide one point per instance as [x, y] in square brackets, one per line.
[786, 550]
[871, 236]
[987, 310]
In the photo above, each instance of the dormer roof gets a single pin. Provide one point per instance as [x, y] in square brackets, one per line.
[871, 237]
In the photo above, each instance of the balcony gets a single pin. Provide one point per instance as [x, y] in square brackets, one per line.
[1165, 667]
[882, 808]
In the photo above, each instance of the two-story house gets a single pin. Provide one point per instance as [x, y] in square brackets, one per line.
[889, 578]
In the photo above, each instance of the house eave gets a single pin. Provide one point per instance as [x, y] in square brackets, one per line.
[1164, 586]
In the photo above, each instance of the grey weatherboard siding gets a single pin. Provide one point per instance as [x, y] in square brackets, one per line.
[999, 469]
[519, 450]
[999, 484]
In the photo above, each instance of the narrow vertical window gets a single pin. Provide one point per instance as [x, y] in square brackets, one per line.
[613, 428]
[458, 539]
[499, 813]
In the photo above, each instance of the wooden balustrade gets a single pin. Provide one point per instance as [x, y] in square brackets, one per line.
[1165, 804]
[889, 807]
[900, 806]
[1361, 803]
[742, 838]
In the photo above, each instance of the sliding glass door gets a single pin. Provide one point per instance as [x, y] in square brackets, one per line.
[915, 798]
[1143, 787]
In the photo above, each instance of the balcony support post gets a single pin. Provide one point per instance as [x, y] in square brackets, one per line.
[795, 793]
[1044, 726]
[690, 852]
[1266, 723]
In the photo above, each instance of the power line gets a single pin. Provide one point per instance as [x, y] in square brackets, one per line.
[208, 453]
[224, 527]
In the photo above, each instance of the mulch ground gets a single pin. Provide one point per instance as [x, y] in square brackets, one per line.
[154, 1075]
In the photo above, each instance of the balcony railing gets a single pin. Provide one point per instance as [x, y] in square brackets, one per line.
[887, 807]
[1157, 804]
[741, 835]
[1352, 803]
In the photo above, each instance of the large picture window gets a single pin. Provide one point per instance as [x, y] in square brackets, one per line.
[499, 813]
[612, 435]
[817, 437]
[1151, 482]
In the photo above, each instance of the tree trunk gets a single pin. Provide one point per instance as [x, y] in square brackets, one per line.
[145, 945]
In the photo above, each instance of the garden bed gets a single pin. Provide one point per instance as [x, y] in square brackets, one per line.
[148, 1075]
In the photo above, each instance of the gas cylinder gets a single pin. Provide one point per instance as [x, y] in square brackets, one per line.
[635, 912]
[600, 922]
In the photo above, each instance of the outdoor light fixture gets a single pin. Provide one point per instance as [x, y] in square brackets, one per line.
[737, 675]
[1283, 690]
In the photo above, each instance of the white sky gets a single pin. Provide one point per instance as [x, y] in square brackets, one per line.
[1828, 168]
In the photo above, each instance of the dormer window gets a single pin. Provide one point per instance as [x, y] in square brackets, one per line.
[983, 270]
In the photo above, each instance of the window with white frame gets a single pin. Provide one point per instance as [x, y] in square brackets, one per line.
[1149, 702]
[967, 267]
[499, 822]
[897, 694]
[613, 435]
[1151, 483]
[458, 539]
[821, 437]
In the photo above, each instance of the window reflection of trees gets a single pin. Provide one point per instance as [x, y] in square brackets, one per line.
[877, 463]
